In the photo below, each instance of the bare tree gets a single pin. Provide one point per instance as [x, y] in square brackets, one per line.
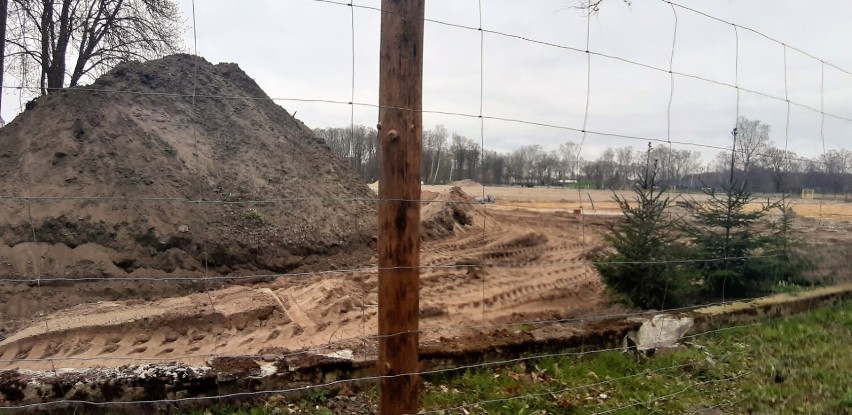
[474, 154]
[569, 156]
[779, 163]
[545, 165]
[525, 164]
[434, 143]
[593, 6]
[625, 167]
[722, 162]
[837, 161]
[603, 170]
[4, 14]
[677, 163]
[493, 167]
[446, 159]
[71, 39]
[752, 141]
[465, 152]
[837, 164]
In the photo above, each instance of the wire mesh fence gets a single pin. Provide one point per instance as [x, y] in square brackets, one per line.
[247, 266]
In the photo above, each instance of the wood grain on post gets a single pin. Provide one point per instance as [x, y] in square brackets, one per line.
[400, 144]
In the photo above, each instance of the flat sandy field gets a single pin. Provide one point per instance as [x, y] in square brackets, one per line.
[538, 198]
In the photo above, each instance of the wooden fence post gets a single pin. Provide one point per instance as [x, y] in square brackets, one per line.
[400, 140]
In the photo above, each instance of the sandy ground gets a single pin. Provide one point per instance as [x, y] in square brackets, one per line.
[828, 208]
[507, 266]
[522, 259]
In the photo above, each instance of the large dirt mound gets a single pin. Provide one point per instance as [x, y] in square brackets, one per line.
[180, 130]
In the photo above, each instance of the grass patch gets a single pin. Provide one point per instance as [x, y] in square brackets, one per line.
[252, 215]
[798, 365]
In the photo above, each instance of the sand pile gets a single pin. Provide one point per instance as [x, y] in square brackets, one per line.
[229, 143]
[446, 212]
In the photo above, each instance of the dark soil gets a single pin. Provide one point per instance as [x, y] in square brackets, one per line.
[138, 138]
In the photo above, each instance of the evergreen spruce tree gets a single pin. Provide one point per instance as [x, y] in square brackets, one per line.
[639, 270]
[732, 251]
[787, 250]
[731, 245]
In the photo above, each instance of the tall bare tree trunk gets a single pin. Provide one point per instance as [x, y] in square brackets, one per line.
[4, 10]
[437, 166]
[56, 70]
[46, 32]
[100, 33]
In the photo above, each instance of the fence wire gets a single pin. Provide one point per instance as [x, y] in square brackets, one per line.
[42, 279]
[340, 382]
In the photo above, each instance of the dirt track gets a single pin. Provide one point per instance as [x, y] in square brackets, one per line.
[510, 265]
[507, 266]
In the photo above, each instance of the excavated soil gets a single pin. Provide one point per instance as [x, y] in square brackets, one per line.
[156, 170]
[489, 274]
[150, 216]
[156, 140]
[494, 266]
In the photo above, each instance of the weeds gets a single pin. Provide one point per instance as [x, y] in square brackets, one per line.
[252, 215]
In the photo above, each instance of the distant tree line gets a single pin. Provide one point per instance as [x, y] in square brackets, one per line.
[759, 163]
[358, 146]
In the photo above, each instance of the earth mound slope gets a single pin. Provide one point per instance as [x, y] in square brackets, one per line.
[161, 167]
[445, 213]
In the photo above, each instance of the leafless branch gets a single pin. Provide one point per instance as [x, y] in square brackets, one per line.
[70, 39]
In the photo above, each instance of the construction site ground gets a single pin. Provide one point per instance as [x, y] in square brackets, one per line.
[519, 261]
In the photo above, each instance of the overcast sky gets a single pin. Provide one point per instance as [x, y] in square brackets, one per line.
[302, 49]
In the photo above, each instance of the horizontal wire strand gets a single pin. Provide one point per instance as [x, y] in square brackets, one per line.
[45, 280]
[329, 384]
[505, 119]
[338, 345]
[574, 388]
[373, 200]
